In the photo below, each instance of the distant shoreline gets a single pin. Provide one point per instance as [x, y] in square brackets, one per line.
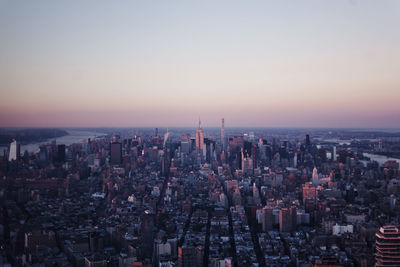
[72, 136]
[27, 136]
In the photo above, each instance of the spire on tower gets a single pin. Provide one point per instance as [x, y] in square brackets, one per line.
[199, 138]
[222, 129]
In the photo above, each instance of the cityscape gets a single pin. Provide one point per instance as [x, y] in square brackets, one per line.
[203, 197]
[199, 133]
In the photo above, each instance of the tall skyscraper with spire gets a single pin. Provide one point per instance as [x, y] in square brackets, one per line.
[223, 130]
[315, 177]
[199, 138]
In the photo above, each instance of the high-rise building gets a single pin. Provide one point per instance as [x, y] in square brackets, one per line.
[199, 138]
[293, 215]
[285, 220]
[185, 146]
[116, 153]
[187, 256]
[43, 153]
[14, 151]
[315, 177]
[61, 153]
[309, 192]
[147, 233]
[334, 154]
[231, 186]
[247, 164]
[388, 246]
[267, 219]
[223, 131]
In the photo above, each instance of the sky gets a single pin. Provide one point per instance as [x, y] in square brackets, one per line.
[319, 63]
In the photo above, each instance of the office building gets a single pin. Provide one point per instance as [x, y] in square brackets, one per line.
[61, 153]
[199, 138]
[14, 151]
[223, 133]
[267, 219]
[285, 220]
[388, 246]
[308, 142]
[315, 177]
[116, 153]
[309, 192]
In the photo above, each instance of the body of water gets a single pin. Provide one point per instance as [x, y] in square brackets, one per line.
[348, 141]
[74, 136]
[379, 158]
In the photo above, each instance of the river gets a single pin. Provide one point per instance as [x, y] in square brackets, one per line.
[379, 158]
[74, 136]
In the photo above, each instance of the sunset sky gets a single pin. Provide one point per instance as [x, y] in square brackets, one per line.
[165, 63]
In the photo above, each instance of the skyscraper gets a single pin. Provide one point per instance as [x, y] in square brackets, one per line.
[308, 143]
[309, 192]
[187, 256]
[285, 220]
[223, 131]
[315, 177]
[247, 163]
[199, 139]
[293, 215]
[116, 153]
[334, 154]
[14, 151]
[267, 219]
[388, 246]
[61, 153]
[147, 233]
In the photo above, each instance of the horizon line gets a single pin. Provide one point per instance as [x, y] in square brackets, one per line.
[194, 127]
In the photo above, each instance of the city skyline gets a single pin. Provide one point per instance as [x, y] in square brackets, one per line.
[265, 64]
[145, 198]
[206, 133]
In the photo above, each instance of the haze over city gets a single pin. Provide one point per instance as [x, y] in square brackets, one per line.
[140, 63]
